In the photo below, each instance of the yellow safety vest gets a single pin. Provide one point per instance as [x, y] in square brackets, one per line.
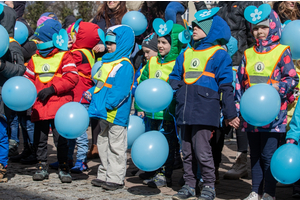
[91, 59]
[160, 70]
[195, 62]
[260, 66]
[46, 68]
[103, 73]
[13, 40]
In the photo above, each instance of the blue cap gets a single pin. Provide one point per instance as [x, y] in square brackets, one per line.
[45, 31]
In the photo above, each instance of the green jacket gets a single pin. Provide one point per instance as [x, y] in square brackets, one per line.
[175, 50]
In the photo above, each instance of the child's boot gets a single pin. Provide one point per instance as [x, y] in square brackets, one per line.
[64, 173]
[93, 152]
[3, 179]
[79, 167]
[41, 172]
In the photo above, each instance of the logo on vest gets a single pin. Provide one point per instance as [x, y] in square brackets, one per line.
[158, 74]
[195, 63]
[259, 67]
[46, 67]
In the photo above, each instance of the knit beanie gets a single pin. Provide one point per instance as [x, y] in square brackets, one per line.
[205, 25]
[42, 19]
[45, 31]
[150, 42]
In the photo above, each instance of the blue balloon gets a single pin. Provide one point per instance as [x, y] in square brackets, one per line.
[136, 20]
[150, 151]
[136, 127]
[290, 37]
[95, 69]
[21, 32]
[71, 120]
[153, 95]
[19, 93]
[285, 164]
[260, 104]
[4, 41]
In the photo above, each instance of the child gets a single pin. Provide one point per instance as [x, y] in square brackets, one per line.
[160, 67]
[267, 62]
[202, 75]
[111, 104]
[11, 64]
[54, 75]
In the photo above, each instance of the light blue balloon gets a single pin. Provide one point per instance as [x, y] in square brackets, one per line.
[136, 20]
[136, 127]
[4, 41]
[290, 37]
[95, 69]
[21, 32]
[71, 120]
[19, 93]
[285, 164]
[150, 151]
[260, 104]
[153, 95]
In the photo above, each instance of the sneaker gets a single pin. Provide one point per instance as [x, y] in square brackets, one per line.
[238, 169]
[30, 160]
[147, 175]
[253, 196]
[160, 180]
[112, 186]
[97, 182]
[55, 165]
[64, 174]
[267, 197]
[207, 193]
[3, 170]
[79, 167]
[186, 192]
[13, 148]
[41, 172]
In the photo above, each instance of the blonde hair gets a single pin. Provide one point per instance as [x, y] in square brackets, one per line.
[284, 12]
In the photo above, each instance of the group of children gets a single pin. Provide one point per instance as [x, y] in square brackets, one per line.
[200, 74]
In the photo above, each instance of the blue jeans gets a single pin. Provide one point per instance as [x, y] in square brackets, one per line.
[14, 127]
[172, 9]
[262, 147]
[3, 142]
[82, 145]
[26, 125]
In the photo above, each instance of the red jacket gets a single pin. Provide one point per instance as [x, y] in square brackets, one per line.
[86, 38]
[63, 87]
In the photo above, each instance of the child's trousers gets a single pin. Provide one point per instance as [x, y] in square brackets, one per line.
[196, 148]
[112, 146]
[41, 131]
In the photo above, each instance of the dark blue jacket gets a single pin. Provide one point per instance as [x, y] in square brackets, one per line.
[199, 103]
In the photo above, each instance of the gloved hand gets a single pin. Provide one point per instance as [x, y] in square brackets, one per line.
[45, 93]
[292, 141]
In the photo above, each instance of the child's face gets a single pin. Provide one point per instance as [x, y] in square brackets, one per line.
[111, 47]
[198, 33]
[149, 52]
[261, 32]
[163, 46]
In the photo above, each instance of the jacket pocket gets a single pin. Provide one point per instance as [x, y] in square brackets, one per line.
[208, 93]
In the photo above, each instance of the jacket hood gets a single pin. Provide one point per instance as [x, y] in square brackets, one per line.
[87, 36]
[8, 19]
[274, 34]
[219, 34]
[124, 43]
[176, 45]
[19, 7]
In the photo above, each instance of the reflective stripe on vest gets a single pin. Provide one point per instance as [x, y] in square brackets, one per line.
[195, 62]
[13, 40]
[46, 68]
[260, 66]
[160, 70]
[91, 59]
[102, 75]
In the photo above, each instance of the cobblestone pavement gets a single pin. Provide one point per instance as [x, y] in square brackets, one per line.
[21, 186]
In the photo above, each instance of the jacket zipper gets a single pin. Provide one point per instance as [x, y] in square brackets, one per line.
[184, 103]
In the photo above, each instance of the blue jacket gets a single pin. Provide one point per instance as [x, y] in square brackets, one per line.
[199, 103]
[118, 97]
[294, 132]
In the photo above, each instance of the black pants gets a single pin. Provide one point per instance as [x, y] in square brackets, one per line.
[41, 131]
